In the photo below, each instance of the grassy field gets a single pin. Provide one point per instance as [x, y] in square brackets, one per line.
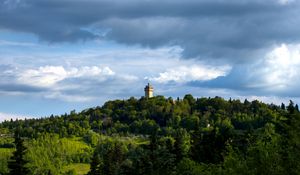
[70, 150]
[79, 168]
[138, 140]
[5, 154]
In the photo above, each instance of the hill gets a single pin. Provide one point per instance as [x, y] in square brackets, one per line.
[161, 135]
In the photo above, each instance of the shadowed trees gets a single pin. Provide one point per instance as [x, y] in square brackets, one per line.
[17, 164]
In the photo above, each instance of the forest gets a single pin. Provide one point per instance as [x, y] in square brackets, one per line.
[159, 135]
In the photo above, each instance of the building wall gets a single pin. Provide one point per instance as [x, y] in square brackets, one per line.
[148, 93]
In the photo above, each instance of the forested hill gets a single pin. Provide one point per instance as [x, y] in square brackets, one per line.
[162, 135]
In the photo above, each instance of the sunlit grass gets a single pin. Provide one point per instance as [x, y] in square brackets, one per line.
[5, 154]
[80, 168]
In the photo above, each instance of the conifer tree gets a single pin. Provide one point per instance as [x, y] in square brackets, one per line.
[17, 162]
[291, 107]
[297, 107]
[180, 149]
[95, 165]
[113, 159]
[282, 106]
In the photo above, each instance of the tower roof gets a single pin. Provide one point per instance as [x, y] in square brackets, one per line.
[149, 86]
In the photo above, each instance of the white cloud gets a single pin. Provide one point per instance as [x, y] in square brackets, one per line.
[48, 76]
[279, 71]
[13, 43]
[283, 65]
[68, 98]
[6, 116]
[284, 2]
[129, 77]
[71, 84]
[185, 74]
[43, 76]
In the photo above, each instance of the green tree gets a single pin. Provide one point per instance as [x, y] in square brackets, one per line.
[182, 144]
[96, 165]
[291, 143]
[291, 107]
[282, 106]
[297, 107]
[113, 159]
[17, 164]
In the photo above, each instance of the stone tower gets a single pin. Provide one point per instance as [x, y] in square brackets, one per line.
[148, 91]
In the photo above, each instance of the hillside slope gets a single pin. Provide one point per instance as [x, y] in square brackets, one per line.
[161, 135]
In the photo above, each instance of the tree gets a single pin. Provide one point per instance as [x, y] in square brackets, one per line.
[113, 159]
[17, 162]
[182, 144]
[190, 99]
[95, 164]
[264, 156]
[291, 144]
[291, 107]
[297, 107]
[282, 106]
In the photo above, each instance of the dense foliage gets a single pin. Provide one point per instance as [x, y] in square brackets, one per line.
[158, 135]
[17, 163]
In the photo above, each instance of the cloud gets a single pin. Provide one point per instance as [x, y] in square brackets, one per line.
[279, 72]
[69, 97]
[75, 77]
[71, 84]
[52, 49]
[235, 30]
[284, 2]
[6, 116]
[50, 75]
[11, 43]
[185, 74]
[276, 74]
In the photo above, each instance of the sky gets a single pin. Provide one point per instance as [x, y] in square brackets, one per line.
[60, 55]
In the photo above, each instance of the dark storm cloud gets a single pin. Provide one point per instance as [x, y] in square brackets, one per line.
[235, 30]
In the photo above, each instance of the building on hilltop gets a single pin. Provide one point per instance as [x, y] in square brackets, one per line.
[149, 91]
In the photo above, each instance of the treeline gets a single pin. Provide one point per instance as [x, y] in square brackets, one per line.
[143, 116]
[162, 135]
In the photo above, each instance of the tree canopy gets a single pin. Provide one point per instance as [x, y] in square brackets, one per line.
[160, 135]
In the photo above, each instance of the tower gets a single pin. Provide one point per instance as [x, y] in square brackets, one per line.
[148, 91]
